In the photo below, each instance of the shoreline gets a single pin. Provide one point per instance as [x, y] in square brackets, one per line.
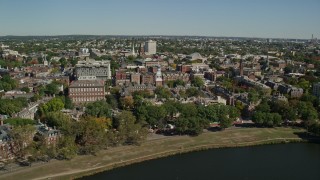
[129, 162]
[117, 157]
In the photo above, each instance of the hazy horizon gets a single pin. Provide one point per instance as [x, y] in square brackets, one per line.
[288, 19]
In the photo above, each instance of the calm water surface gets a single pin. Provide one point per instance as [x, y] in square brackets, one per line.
[282, 161]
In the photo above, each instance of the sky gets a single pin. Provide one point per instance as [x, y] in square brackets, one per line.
[297, 19]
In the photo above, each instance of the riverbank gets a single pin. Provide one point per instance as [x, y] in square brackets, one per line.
[157, 148]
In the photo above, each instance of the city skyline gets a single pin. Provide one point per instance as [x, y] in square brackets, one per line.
[271, 19]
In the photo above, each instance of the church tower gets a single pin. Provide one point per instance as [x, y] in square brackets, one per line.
[158, 78]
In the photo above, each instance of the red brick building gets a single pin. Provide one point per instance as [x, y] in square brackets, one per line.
[82, 91]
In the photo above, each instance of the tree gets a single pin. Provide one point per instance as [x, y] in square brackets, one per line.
[129, 130]
[21, 136]
[91, 135]
[112, 101]
[98, 109]
[10, 106]
[188, 110]
[127, 102]
[162, 92]
[68, 104]
[253, 96]
[55, 104]
[178, 82]
[263, 107]
[171, 108]
[156, 115]
[197, 82]
[19, 121]
[63, 62]
[61, 121]
[25, 89]
[259, 117]
[267, 119]
[288, 69]
[52, 88]
[304, 84]
[8, 83]
[193, 92]
[225, 122]
[67, 148]
[190, 125]
[74, 62]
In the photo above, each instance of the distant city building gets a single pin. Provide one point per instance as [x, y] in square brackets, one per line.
[150, 47]
[90, 67]
[316, 89]
[136, 78]
[292, 91]
[84, 52]
[87, 89]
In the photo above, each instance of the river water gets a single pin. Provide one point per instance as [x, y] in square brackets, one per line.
[299, 161]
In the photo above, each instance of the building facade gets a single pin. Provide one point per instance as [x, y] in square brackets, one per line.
[150, 47]
[83, 90]
[316, 90]
[90, 67]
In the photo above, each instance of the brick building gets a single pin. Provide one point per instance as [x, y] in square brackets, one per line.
[84, 90]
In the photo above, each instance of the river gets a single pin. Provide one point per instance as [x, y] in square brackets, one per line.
[299, 161]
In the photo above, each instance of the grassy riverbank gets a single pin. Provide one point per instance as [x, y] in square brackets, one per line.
[121, 156]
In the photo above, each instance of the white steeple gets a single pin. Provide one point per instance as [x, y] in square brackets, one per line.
[159, 77]
[133, 51]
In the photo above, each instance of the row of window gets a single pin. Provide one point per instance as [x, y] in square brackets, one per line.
[85, 94]
[85, 89]
[86, 99]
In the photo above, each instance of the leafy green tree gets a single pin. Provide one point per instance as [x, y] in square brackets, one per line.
[156, 115]
[193, 92]
[253, 96]
[188, 110]
[290, 114]
[52, 88]
[197, 82]
[8, 83]
[178, 82]
[91, 135]
[130, 131]
[163, 92]
[314, 128]
[25, 89]
[225, 122]
[263, 107]
[171, 108]
[68, 104]
[19, 121]
[259, 117]
[112, 101]
[304, 84]
[98, 109]
[190, 125]
[74, 62]
[55, 104]
[67, 148]
[61, 121]
[21, 136]
[63, 62]
[10, 106]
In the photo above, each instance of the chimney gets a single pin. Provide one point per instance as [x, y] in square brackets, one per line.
[1, 122]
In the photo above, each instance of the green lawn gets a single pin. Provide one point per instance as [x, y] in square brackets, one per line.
[119, 156]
